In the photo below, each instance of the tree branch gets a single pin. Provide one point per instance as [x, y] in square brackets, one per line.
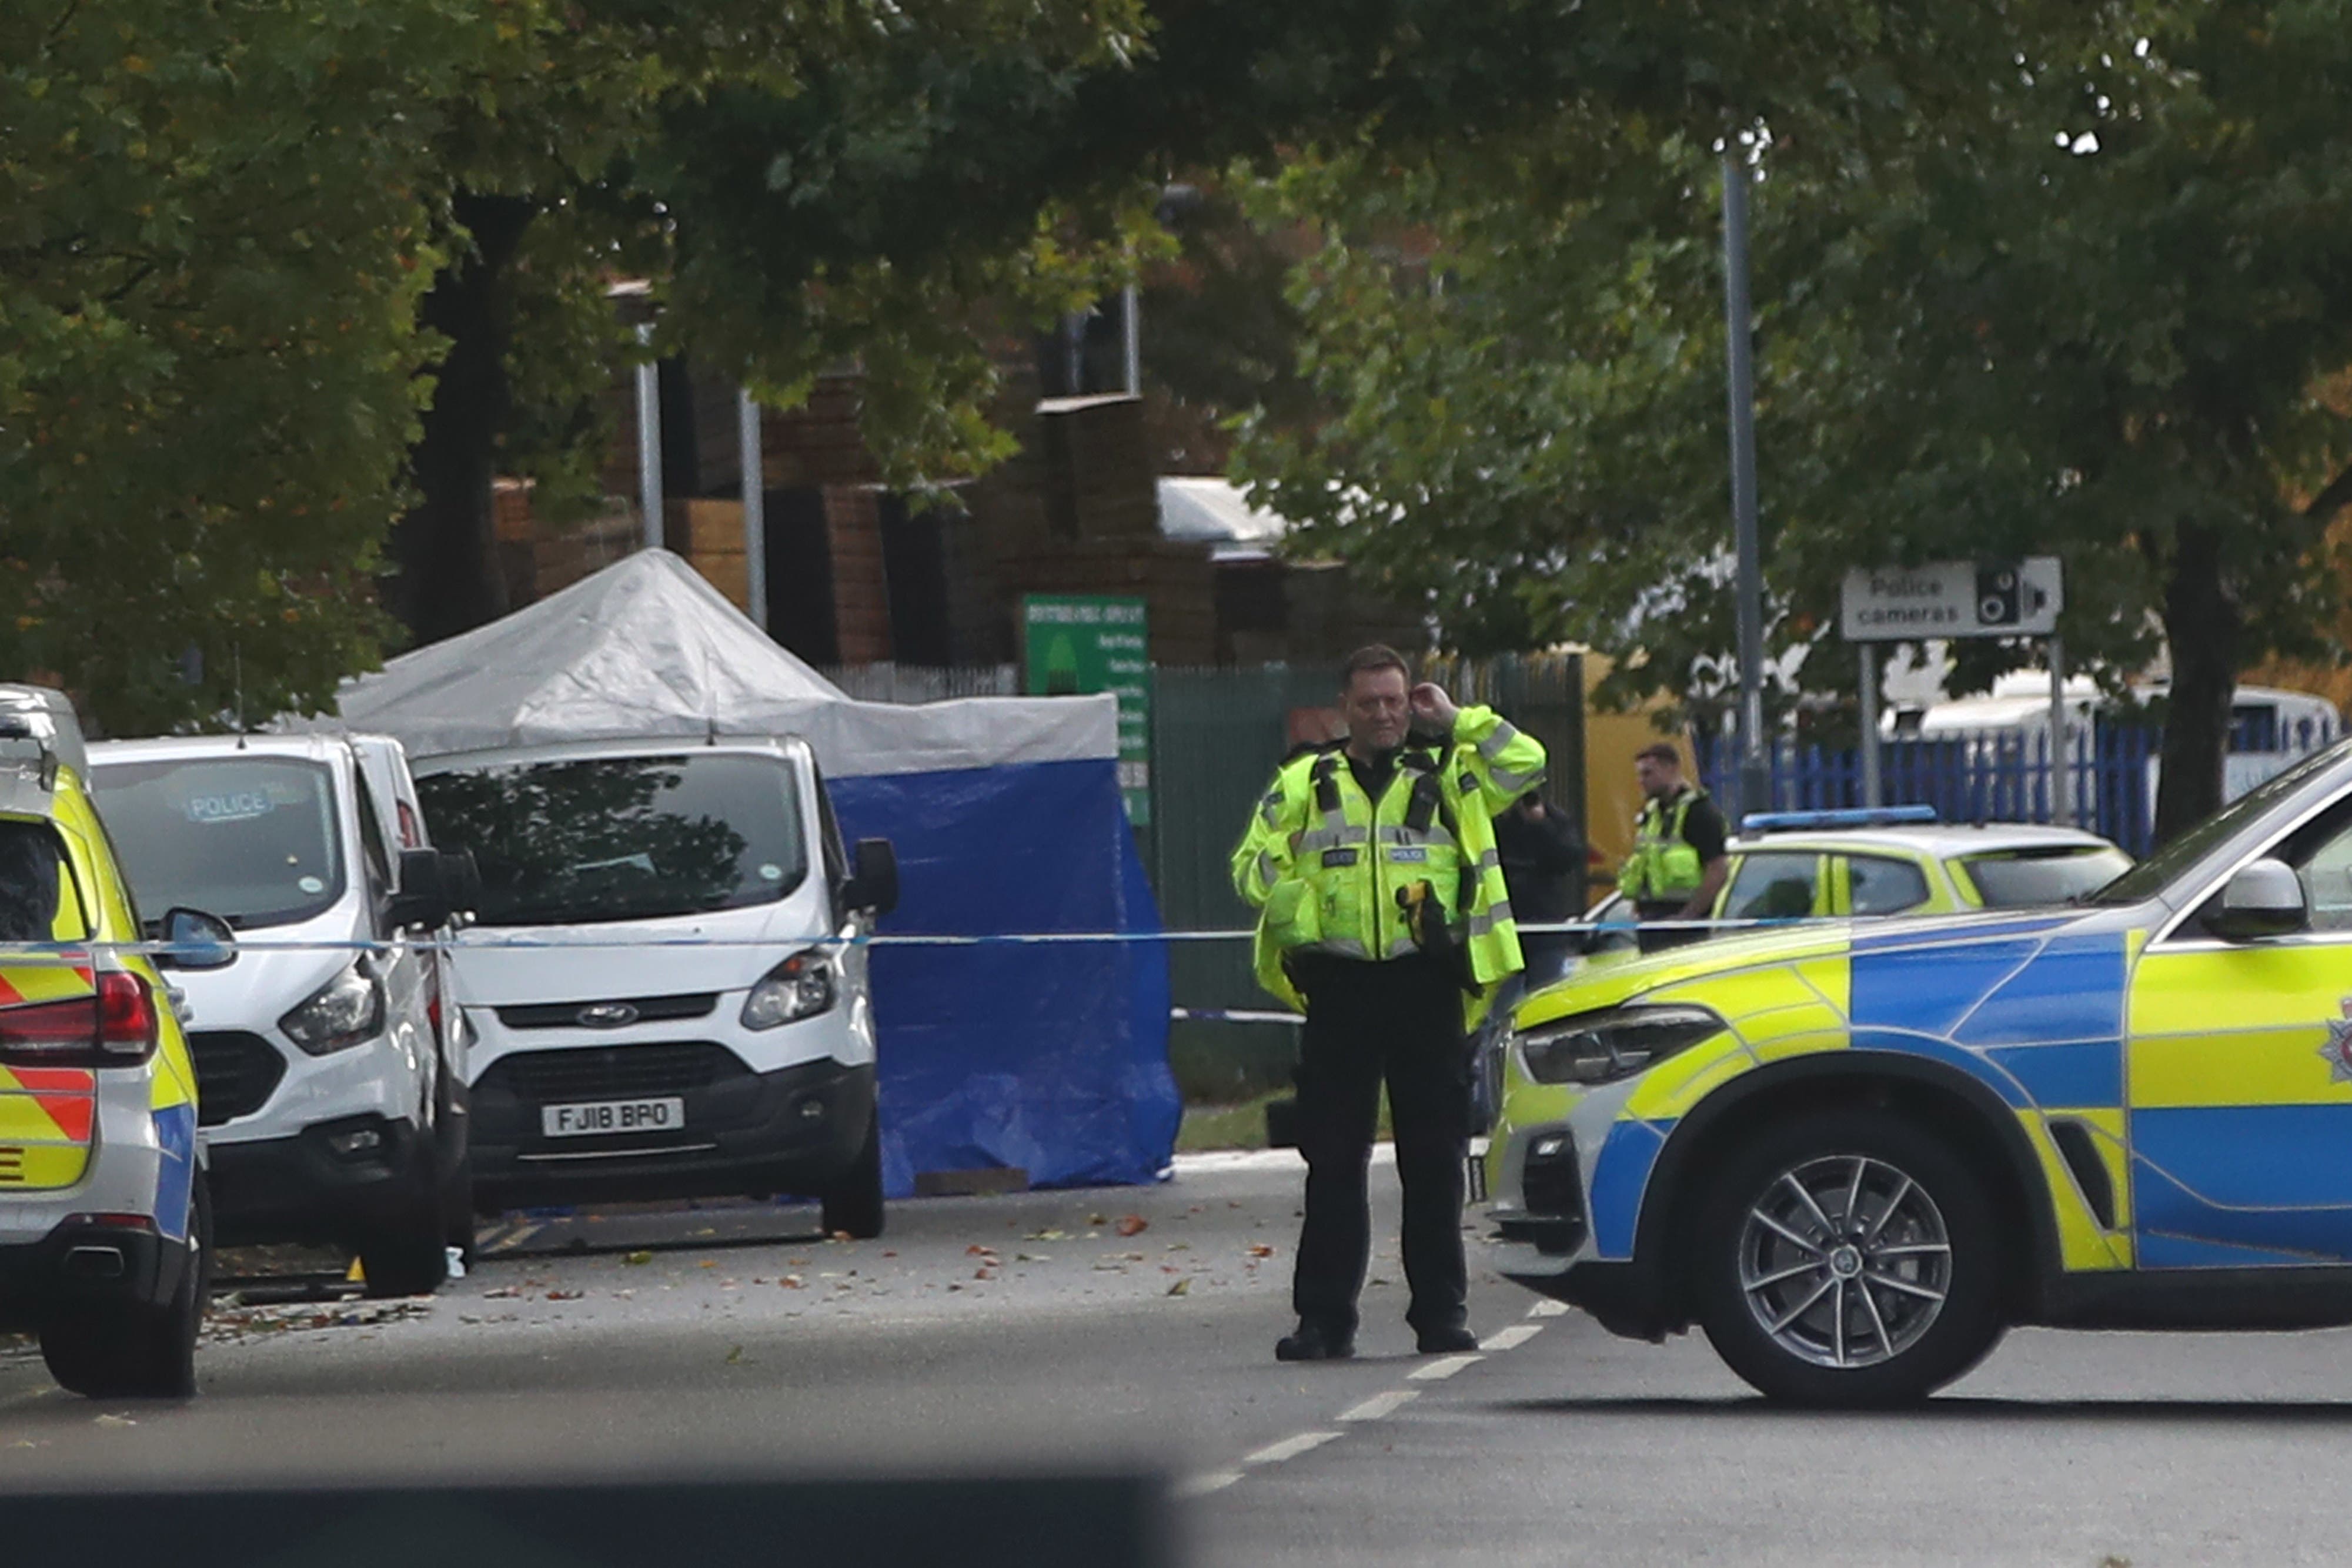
[2331, 499]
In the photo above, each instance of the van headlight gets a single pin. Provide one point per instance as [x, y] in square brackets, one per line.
[348, 1010]
[801, 987]
[1617, 1042]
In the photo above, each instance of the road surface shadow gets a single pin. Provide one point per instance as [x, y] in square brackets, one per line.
[1949, 1409]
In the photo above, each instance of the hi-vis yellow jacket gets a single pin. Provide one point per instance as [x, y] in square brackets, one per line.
[1325, 865]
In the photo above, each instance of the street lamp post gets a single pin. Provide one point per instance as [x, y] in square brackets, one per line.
[1755, 778]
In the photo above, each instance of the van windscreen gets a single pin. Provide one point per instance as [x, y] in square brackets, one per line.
[251, 839]
[622, 838]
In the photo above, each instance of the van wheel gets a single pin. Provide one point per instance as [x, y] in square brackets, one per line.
[853, 1204]
[1848, 1258]
[128, 1352]
[408, 1256]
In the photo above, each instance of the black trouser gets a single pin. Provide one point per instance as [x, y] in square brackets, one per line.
[1401, 1020]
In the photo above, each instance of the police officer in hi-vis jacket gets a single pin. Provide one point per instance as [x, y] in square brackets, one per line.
[1382, 913]
[1677, 865]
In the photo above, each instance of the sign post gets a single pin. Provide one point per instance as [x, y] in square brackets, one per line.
[1958, 599]
[1082, 644]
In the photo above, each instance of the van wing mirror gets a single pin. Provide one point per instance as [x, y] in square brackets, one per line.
[196, 941]
[873, 884]
[423, 895]
[461, 878]
[2262, 899]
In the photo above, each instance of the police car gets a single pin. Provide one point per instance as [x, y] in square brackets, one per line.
[1854, 1152]
[1896, 861]
[103, 1219]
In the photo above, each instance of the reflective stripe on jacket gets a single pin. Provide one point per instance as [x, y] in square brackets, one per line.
[1323, 863]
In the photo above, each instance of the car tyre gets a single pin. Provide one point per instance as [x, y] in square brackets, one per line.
[139, 1351]
[853, 1202]
[409, 1255]
[1848, 1258]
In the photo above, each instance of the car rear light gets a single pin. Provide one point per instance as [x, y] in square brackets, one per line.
[115, 1025]
[114, 1221]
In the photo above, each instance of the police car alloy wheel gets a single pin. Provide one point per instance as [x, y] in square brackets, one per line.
[1849, 1258]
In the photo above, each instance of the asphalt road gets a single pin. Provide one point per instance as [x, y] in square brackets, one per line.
[1052, 1332]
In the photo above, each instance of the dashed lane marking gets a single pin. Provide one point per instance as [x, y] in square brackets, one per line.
[1513, 1337]
[1380, 1405]
[1549, 1310]
[1290, 1448]
[1202, 1486]
[1444, 1367]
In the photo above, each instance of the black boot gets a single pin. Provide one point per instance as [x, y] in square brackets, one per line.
[1454, 1339]
[1314, 1341]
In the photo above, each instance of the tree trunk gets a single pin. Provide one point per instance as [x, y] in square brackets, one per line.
[2206, 629]
[446, 576]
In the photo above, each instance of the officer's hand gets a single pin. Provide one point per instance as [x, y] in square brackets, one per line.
[1433, 707]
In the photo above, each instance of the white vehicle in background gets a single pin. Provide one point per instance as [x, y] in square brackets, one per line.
[662, 986]
[331, 1085]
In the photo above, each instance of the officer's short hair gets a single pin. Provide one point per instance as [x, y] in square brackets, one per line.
[1378, 656]
[1660, 752]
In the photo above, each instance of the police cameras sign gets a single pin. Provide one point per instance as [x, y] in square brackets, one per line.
[1952, 599]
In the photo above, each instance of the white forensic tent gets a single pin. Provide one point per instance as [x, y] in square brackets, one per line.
[1005, 813]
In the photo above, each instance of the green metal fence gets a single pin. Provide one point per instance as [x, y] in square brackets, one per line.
[1217, 736]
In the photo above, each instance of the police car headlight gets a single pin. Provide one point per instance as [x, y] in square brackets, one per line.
[1603, 1047]
[348, 1010]
[801, 986]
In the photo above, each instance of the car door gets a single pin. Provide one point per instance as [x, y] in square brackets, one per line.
[2239, 1080]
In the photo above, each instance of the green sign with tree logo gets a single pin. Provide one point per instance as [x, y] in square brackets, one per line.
[1083, 643]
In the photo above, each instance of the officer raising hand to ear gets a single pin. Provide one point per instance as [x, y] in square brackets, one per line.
[1383, 915]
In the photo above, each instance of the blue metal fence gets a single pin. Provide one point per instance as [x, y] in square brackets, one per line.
[2004, 777]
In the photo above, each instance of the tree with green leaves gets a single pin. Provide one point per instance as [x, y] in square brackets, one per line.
[214, 235]
[2099, 318]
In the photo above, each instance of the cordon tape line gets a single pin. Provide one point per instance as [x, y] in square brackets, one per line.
[80, 952]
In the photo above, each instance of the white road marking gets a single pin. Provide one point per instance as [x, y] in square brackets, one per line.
[1549, 1310]
[1380, 1405]
[1513, 1337]
[1290, 1448]
[1444, 1367]
[1202, 1486]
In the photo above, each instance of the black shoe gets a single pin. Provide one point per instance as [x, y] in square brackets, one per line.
[1313, 1342]
[1451, 1341]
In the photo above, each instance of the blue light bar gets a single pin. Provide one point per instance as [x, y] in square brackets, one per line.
[1815, 822]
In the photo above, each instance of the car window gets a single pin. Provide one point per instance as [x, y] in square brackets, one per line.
[2038, 878]
[372, 833]
[1774, 884]
[38, 899]
[2324, 869]
[251, 839]
[1881, 884]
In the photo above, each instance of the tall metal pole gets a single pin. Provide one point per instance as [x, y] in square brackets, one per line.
[1130, 323]
[649, 475]
[755, 506]
[1873, 786]
[1755, 779]
[2062, 782]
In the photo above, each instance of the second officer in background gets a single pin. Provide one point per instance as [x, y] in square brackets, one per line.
[1382, 913]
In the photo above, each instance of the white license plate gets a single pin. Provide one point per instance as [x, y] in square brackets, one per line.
[611, 1116]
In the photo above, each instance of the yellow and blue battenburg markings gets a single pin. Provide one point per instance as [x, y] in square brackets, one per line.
[2037, 1016]
[2240, 1083]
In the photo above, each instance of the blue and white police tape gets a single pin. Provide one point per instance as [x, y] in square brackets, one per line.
[481, 940]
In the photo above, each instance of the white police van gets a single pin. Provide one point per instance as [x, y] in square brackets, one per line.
[663, 984]
[328, 1055]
